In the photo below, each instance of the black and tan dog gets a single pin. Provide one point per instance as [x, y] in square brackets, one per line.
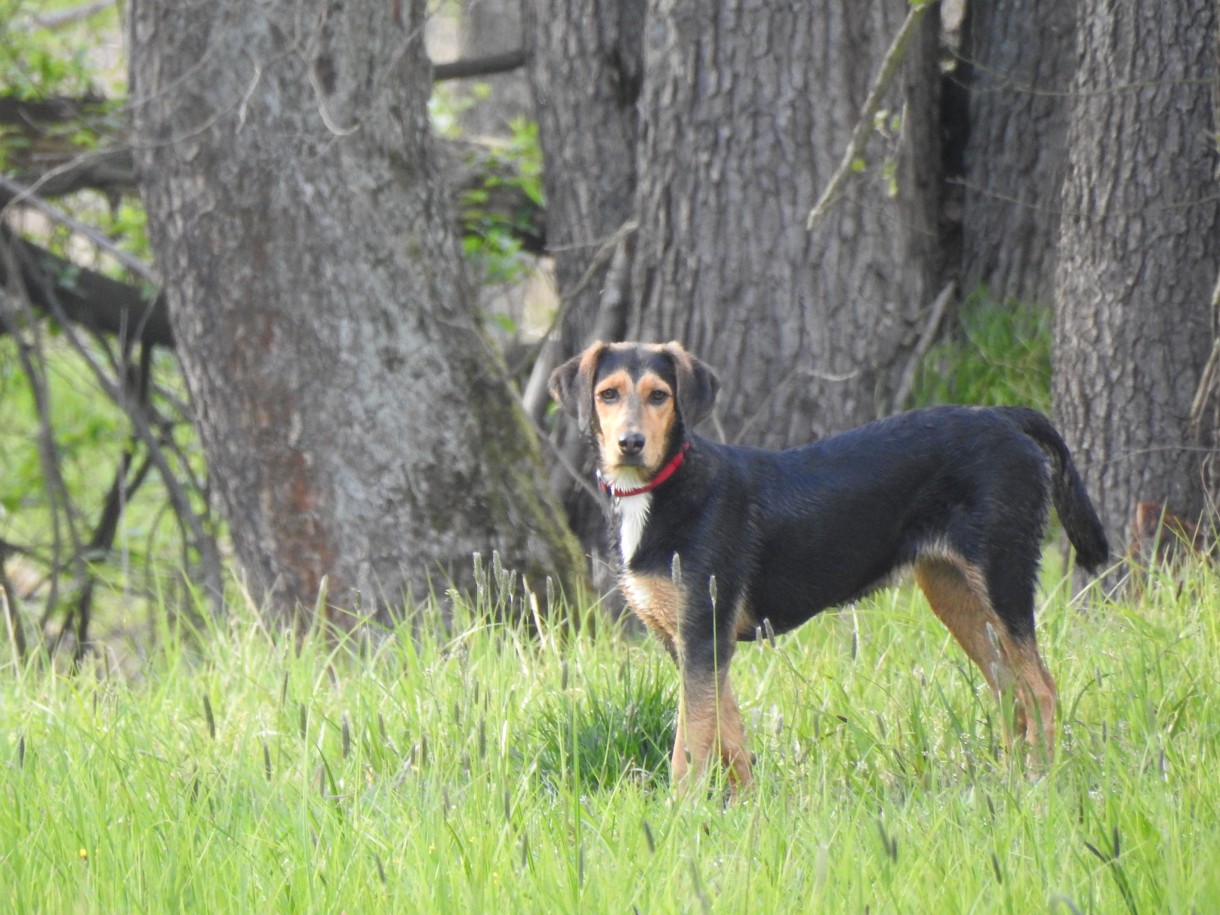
[719, 542]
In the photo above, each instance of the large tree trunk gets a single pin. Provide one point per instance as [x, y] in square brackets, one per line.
[746, 111]
[1141, 241]
[355, 422]
[585, 68]
[1018, 57]
[585, 71]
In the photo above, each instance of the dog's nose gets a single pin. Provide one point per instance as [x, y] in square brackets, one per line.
[631, 443]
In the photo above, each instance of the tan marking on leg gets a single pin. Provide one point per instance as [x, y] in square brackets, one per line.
[1036, 695]
[679, 760]
[710, 727]
[962, 606]
[697, 714]
[709, 722]
[732, 739]
[1013, 666]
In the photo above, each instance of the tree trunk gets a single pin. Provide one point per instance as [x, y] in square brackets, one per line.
[1141, 241]
[746, 111]
[355, 421]
[585, 72]
[1018, 57]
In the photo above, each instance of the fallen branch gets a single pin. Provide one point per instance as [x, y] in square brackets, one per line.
[65, 290]
[470, 67]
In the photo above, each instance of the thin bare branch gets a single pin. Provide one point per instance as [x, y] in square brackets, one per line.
[936, 316]
[612, 250]
[25, 196]
[16, 317]
[473, 67]
[143, 429]
[872, 104]
[59, 18]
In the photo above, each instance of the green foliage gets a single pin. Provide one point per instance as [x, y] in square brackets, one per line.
[38, 63]
[492, 235]
[446, 106]
[65, 63]
[413, 773]
[998, 354]
[127, 226]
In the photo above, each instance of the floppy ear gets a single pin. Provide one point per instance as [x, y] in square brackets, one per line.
[697, 384]
[572, 384]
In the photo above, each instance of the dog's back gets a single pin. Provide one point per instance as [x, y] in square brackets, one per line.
[801, 530]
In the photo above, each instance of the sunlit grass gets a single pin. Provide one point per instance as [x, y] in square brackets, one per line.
[490, 769]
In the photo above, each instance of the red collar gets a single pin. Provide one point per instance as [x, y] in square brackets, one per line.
[660, 477]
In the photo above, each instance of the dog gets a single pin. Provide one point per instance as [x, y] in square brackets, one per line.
[720, 543]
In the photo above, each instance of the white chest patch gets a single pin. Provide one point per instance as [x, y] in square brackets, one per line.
[632, 515]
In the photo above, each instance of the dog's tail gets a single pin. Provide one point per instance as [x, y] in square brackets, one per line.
[1076, 512]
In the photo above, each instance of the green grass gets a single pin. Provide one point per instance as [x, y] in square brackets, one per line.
[493, 771]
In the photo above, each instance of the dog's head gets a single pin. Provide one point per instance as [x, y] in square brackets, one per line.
[637, 400]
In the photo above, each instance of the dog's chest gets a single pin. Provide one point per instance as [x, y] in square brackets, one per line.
[632, 518]
[654, 600]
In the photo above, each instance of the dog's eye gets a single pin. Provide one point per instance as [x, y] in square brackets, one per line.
[609, 395]
[658, 397]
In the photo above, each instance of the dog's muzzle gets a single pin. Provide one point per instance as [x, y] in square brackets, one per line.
[631, 444]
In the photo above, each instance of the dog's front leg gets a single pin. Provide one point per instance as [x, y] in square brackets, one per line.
[709, 728]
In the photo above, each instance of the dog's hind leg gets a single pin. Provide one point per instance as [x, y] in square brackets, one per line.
[1009, 661]
[1037, 696]
[959, 599]
[1011, 589]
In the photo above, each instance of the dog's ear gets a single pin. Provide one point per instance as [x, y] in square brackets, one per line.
[572, 384]
[697, 384]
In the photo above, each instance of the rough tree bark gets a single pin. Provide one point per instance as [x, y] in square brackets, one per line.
[1141, 240]
[585, 71]
[1017, 61]
[354, 419]
[746, 110]
[585, 68]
